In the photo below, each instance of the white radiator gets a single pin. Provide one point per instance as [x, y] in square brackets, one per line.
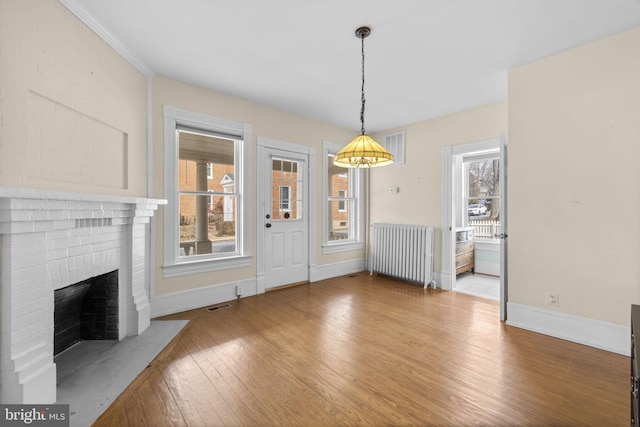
[403, 251]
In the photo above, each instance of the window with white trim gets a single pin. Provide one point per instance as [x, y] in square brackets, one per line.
[343, 204]
[482, 193]
[207, 168]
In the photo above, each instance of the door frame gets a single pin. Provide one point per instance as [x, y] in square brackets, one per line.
[449, 199]
[262, 166]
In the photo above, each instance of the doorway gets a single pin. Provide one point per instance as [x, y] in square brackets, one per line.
[474, 220]
[284, 216]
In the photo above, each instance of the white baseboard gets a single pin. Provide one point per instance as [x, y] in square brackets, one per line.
[594, 333]
[327, 271]
[490, 268]
[176, 302]
[162, 305]
[437, 276]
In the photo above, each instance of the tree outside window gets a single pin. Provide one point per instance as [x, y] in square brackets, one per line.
[483, 196]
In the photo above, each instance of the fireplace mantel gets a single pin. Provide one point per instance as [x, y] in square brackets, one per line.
[52, 239]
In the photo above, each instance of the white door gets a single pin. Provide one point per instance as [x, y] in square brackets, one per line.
[504, 294]
[285, 218]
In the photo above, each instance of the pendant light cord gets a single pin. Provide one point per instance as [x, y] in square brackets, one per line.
[362, 97]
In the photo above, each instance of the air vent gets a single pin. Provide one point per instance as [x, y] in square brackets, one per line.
[394, 143]
[218, 307]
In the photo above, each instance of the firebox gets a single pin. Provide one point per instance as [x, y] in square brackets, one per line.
[86, 310]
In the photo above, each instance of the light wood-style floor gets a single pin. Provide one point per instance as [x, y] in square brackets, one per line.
[363, 350]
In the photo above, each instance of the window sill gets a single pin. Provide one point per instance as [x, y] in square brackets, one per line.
[185, 268]
[333, 248]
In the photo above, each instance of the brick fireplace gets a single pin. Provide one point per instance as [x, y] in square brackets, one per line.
[48, 241]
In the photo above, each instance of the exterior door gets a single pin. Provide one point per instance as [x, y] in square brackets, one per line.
[504, 278]
[286, 226]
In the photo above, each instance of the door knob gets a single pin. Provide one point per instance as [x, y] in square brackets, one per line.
[268, 225]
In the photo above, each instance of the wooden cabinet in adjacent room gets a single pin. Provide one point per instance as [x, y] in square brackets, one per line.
[464, 250]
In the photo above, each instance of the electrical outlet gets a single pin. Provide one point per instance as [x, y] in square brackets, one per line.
[552, 298]
[238, 290]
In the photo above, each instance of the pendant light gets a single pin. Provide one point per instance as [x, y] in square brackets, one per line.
[363, 151]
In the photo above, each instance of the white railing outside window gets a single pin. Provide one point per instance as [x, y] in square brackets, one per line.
[485, 229]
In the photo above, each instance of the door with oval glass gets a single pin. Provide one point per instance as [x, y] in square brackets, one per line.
[286, 251]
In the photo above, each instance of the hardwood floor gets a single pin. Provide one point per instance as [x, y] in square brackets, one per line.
[363, 350]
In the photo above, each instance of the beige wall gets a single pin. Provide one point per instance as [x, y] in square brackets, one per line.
[419, 180]
[73, 112]
[574, 179]
[266, 122]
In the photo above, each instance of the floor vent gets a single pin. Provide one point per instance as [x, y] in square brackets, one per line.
[218, 307]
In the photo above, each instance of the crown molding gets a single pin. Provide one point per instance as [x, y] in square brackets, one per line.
[105, 34]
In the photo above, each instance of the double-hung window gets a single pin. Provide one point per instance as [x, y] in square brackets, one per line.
[343, 204]
[207, 219]
[482, 193]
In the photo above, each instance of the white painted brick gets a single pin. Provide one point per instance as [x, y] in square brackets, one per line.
[75, 214]
[17, 204]
[53, 275]
[84, 205]
[64, 273]
[28, 260]
[26, 274]
[79, 250]
[57, 215]
[86, 264]
[33, 241]
[82, 239]
[64, 224]
[57, 254]
[59, 234]
[87, 213]
[18, 227]
[107, 206]
[34, 293]
[21, 215]
[26, 315]
[60, 205]
[36, 284]
[100, 247]
[80, 232]
[71, 262]
[40, 215]
[63, 243]
[43, 226]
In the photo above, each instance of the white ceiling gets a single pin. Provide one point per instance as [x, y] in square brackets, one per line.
[424, 58]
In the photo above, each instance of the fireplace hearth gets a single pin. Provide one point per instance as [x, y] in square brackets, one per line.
[49, 241]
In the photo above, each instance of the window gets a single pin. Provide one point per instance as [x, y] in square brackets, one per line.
[343, 205]
[482, 193]
[207, 175]
[285, 198]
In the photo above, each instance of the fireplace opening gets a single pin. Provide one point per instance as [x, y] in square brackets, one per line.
[86, 310]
